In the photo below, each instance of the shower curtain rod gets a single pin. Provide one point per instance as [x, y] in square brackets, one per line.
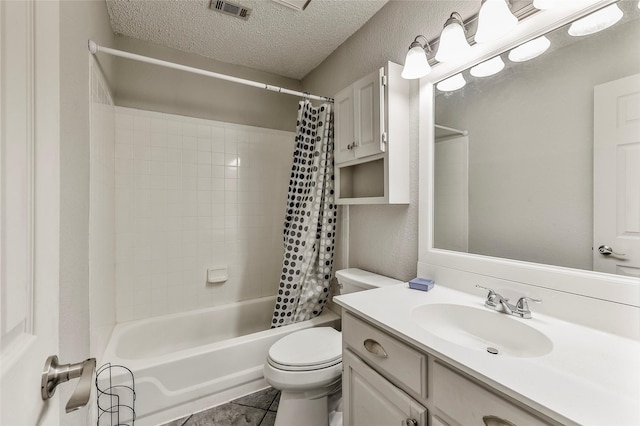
[95, 48]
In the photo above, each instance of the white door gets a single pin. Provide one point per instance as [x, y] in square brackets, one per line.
[616, 177]
[29, 189]
[369, 115]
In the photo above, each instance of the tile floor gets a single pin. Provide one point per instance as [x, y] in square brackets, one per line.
[256, 409]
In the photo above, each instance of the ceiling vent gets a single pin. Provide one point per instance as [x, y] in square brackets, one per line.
[230, 8]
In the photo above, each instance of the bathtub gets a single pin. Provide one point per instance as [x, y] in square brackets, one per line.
[187, 362]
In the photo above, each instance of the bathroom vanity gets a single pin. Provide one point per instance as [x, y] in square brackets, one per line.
[422, 358]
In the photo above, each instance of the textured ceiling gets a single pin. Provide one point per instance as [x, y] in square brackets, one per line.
[275, 38]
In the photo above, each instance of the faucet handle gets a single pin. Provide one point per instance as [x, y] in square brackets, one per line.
[522, 302]
[491, 291]
[492, 296]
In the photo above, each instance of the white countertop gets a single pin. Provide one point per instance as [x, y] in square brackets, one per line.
[589, 377]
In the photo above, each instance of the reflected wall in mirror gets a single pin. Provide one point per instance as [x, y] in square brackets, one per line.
[514, 151]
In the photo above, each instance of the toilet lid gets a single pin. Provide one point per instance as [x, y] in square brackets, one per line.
[308, 349]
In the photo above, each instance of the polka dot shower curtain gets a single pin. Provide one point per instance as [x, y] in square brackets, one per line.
[310, 220]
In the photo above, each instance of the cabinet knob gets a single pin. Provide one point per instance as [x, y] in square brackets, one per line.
[496, 421]
[352, 145]
[411, 422]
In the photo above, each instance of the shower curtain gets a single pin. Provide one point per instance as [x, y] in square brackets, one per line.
[310, 220]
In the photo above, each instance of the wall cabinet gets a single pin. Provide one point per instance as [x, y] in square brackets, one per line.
[389, 382]
[371, 135]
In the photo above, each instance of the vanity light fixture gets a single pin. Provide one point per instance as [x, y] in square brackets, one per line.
[494, 20]
[546, 4]
[597, 21]
[487, 68]
[452, 83]
[529, 50]
[416, 64]
[552, 4]
[453, 45]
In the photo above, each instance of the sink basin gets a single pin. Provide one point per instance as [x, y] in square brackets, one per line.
[482, 329]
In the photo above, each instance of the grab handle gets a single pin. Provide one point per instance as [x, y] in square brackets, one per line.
[375, 348]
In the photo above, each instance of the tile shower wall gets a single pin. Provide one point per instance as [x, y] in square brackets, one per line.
[101, 212]
[193, 194]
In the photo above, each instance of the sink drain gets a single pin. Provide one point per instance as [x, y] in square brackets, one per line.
[492, 351]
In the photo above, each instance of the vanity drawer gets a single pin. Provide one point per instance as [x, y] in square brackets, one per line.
[387, 355]
[469, 404]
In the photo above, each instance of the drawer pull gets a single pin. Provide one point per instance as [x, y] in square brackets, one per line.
[496, 421]
[411, 422]
[375, 348]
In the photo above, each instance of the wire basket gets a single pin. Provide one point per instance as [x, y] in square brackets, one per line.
[116, 396]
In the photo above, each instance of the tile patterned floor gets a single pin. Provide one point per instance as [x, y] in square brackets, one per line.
[257, 409]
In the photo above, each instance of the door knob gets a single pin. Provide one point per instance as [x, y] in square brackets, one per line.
[607, 251]
[55, 373]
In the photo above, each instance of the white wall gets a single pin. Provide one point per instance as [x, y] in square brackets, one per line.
[384, 239]
[531, 148]
[154, 88]
[192, 194]
[102, 234]
[79, 21]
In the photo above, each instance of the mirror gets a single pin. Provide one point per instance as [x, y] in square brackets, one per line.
[514, 152]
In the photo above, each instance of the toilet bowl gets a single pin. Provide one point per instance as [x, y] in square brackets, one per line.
[306, 366]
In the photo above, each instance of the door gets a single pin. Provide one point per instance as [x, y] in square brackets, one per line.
[29, 189]
[344, 129]
[369, 104]
[369, 399]
[616, 176]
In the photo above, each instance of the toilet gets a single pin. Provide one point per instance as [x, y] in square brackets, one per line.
[306, 366]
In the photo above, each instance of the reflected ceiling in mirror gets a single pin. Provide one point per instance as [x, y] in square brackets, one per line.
[514, 150]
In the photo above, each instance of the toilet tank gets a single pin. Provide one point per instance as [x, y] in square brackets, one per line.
[353, 279]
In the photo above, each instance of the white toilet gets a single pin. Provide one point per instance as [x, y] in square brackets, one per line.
[306, 366]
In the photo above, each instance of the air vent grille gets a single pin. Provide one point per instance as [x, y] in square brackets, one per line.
[230, 8]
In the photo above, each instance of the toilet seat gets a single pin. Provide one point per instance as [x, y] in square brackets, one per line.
[305, 350]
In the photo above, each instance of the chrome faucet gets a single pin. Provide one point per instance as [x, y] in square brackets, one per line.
[501, 304]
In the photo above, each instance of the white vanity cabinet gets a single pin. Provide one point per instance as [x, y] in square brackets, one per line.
[369, 399]
[389, 382]
[371, 135]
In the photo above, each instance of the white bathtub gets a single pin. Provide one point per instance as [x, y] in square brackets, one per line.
[190, 361]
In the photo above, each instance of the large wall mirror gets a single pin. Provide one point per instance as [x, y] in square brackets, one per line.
[514, 154]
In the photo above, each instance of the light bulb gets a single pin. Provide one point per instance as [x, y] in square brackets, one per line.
[597, 21]
[453, 44]
[487, 68]
[452, 83]
[494, 21]
[416, 64]
[529, 50]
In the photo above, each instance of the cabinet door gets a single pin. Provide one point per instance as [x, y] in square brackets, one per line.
[344, 129]
[371, 400]
[369, 114]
